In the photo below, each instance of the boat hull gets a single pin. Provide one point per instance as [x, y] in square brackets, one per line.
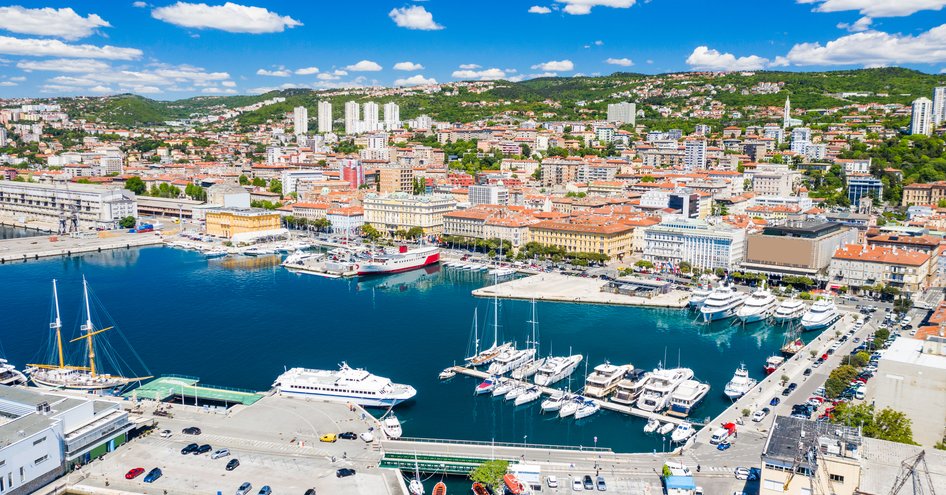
[721, 314]
[355, 399]
[821, 325]
[368, 269]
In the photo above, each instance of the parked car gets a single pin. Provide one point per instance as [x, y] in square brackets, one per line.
[329, 438]
[348, 435]
[576, 484]
[775, 401]
[233, 464]
[153, 475]
[551, 481]
[602, 486]
[190, 449]
[310, 491]
[343, 472]
[192, 430]
[266, 490]
[203, 449]
[134, 473]
[588, 482]
[244, 488]
[742, 473]
[165, 433]
[759, 415]
[220, 453]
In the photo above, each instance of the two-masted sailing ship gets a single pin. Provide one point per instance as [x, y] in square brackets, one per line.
[72, 377]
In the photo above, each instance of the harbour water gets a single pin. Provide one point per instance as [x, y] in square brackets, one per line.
[239, 321]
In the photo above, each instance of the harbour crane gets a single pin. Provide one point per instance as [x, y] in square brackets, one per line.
[911, 469]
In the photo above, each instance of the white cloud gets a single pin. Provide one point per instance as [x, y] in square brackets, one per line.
[364, 66]
[64, 65]
[555, 66]
[582, 7]
[55, 48]
[157, 79]
[140, 5]
[415, 80]
[470, 66]
[862, 24]
[216, 90]
[408, 66]
[414, 17]
[874, 48]
[538, 9]
[876, 8]
[705, 58]
[7, 83]
[332, 76]
[228, 84]
[230, 17]
[18, 78]
[307, 71]
[274, 73]
[61, 23]
[483, 75]
[599, 43]
[623, 62]
[101, 89]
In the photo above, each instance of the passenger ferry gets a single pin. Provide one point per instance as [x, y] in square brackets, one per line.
[345, 385]
[401, 261]
[740, 384]
[604, 379]
[823, 314]
[721, 304]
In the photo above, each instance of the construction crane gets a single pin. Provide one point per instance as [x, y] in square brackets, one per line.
[910, 469]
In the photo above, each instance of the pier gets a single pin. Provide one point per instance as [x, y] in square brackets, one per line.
[36, 247]
[564, 288]
[605, 404]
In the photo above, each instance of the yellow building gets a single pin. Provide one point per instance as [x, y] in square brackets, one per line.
[243, 224]
[612, 239]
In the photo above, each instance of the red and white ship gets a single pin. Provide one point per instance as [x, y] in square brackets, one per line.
[401, 261]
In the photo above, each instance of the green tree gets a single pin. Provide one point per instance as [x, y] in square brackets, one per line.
[275, 186]
[419, 186]
[839, 379]
[136, 185]
[415, 233]
[855, 415]
[890, 425]
[258, 182]
[370, 232]
[127, 222]
[244, 180]
[490, 473]
[647, 265]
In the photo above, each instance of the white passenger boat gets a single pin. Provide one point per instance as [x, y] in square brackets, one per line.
[401, 260]
[631, 386]
[790, 309]
[699, 295]
[587, 408]
[822, 314]
[343, 385]
[604, 379]
[556, 369]
[391, 426]
[687, 396]
[740, 384]
[758, 306]
[682, 432]
[721, 304]
[660, 386]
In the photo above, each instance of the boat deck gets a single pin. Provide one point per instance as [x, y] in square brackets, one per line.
[168, 386]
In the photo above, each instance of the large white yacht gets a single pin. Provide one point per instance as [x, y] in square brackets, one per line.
[345, 385]
[758, 306]
[604, 379]
[509, 360]
[556, 369]
[631, 386]
[740, 384]
[687, 396]
[721, 304]
[822, 314]
[662, 383]
[790, 310]
[699, 295]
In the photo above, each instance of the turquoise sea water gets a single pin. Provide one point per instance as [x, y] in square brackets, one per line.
[239, 321]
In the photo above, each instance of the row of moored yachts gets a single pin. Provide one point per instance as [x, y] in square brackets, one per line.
[725, 302]
[476, 267]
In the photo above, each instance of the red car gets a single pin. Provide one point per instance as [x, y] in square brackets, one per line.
[134, 473]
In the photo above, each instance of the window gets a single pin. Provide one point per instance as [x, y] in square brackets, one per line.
[39, 441]
[837, 478]
[41, 460]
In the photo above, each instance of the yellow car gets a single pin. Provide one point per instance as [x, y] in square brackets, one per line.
[328, 437]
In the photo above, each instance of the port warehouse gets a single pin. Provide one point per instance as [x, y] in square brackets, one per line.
[188, 390]
[44, 435]
[95, 207]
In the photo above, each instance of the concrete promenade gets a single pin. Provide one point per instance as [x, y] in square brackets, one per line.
[565, 288]
[36, 247]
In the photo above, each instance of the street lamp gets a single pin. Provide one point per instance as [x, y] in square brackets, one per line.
[525, 439]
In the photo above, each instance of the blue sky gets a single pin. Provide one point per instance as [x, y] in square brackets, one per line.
[167, 49]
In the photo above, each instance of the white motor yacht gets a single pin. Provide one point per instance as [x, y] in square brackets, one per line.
[604, 379]
[682, 432]
[687, 396]
[554, 402]
[630, 387]
[651, 426]
[740, 384]
[509, 360]
[699, 295]
[721, 304]
[662, 383]
[556, 369]
[758, 306]
[790, 310]
[822, 314]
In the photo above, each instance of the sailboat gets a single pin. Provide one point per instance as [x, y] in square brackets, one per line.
[530, 368]
[486, 356]
[415, 486]
[62, 376]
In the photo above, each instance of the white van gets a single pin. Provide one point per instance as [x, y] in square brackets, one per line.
[678, 469]
[719, 436]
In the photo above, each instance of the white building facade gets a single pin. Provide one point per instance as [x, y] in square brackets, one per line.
[677, 239]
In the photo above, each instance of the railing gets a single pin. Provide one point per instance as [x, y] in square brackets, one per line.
[503, 444]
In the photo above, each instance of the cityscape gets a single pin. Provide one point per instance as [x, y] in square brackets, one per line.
[248, 251]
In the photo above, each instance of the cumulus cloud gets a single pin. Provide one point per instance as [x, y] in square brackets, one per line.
[874, 49]
[538, 9]
[408, 66]
[862, 24]
[307, 71]
[414, 17]
[62, 23]
[415, 80]
[705, 58]
[155, 79]
[140, 5]
[216, 90]
[63, 65]
[555, 66]
[273, 73]
[623, 62]
[230, 17]
[54, 48]
[332, 76]
[876, 8]
[470, 66]
[364, 66]
[583, 7]
[483, 75]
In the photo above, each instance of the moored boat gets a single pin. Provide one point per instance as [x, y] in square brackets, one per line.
[587, 408]
[789, 310]
[554, 402]
[772, 363]
[687, 397]
[665, 428]
[757, 307]
[822, 314]
[343, 385]
[740, 384]
[531, 394]
[485, 387]
[402, 260]
[721, 304]
[556, 369]
[652, 425]
[391, 426]
[604, 379]
[440, 488]
[682, 432]
[513, 485]
[479, 489]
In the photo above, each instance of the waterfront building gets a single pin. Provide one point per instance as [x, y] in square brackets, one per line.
[859, 266]
[325, 116]
[921, 117]
[612, 239]
[800, 454]
[346, 221]
[390, 213]
[470, 222]
[243, 224]
[352, 117]
[676, 239]
[45, 435]
[796, 248]
[300, 121]
[95, 207]
[509, 226]
[864, 186]
[488, 194]
[624, 113]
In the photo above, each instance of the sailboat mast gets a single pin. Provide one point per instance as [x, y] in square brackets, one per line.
[58, 326]
[88, 327]
[535, 344]
[495, 313]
